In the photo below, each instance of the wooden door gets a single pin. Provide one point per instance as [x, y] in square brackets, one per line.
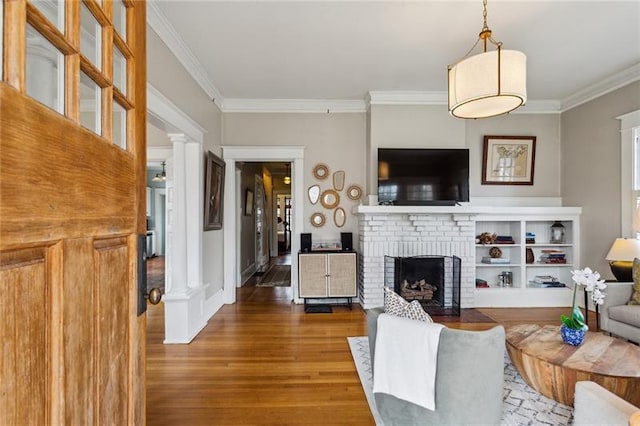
[72, 202]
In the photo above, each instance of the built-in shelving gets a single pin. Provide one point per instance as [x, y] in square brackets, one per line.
[523, 291]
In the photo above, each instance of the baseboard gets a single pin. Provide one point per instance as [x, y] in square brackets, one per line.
[213, 304]
[247, 273]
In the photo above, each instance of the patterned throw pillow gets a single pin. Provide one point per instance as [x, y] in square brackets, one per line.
[635, 296]
[394, 304]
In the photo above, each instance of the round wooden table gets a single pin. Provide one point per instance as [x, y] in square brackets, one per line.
[553, 367]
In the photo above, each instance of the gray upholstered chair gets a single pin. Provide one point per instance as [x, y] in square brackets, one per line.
[618, 318]
[469, 380]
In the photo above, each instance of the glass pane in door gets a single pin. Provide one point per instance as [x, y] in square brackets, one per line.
[44, 71]
[120, 18]
[90, 104]
[119, 125]
[53, 10]
[90, 37]
[119, 70]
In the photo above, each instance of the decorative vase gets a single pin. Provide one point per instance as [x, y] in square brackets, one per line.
[571, 336]
[530, 257]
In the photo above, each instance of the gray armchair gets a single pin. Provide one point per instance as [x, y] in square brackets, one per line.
[469, 380]
[618, 318]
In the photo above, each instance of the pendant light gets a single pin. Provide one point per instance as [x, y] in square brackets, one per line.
[489, 83]
[287, 177]
[160, 177]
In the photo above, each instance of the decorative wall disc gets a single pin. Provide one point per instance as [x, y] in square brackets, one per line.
[318, 219]
[321, 171]
[329, 199]
[354, 192]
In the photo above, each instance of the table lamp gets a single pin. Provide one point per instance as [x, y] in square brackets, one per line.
[620, 257]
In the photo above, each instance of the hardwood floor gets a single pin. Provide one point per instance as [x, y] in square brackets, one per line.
[264, 361]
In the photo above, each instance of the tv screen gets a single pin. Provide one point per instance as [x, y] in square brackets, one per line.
[420, 177]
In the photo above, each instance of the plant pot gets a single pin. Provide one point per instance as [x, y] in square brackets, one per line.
[571, 336]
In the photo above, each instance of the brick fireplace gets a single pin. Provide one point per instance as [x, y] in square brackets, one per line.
[434, 281]
[412, 231]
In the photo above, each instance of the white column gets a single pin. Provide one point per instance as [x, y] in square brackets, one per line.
[179, 228]
[194, 213]
[184, 303]
[168, 226]
[229, 231]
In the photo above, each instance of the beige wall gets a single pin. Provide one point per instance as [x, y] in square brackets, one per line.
[546, 129]
[337, 140]
[167, 75]
[590, 170]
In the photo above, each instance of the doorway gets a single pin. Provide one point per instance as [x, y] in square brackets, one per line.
[156, 229]
[233, 155]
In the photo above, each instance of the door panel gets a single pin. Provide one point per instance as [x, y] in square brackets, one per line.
[112, 301]
[79, 331]
[23, 333]
[313, 275]
[342, 271]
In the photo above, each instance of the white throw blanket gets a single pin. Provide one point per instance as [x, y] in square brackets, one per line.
[406, 354]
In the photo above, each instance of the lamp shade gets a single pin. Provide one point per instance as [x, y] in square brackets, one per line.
[624, 249]
[488, 84]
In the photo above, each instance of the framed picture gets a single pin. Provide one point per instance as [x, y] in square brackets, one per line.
[248, 203]
[508, 160]
[213, 192]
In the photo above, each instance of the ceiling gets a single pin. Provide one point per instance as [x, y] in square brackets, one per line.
[308, 50]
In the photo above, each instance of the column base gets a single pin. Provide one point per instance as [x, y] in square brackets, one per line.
[184, 315]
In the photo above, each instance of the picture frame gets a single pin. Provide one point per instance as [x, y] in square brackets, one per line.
[213, 192]
[508, 160]
[248, 202]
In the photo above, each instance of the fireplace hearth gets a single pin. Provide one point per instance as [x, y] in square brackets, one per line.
[434, 281]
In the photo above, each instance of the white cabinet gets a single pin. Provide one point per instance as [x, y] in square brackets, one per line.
[326, 275]
[527, 259]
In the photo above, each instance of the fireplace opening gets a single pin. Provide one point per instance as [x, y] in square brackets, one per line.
[434, 281]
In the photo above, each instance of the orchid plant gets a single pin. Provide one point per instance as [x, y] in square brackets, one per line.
[594, 286]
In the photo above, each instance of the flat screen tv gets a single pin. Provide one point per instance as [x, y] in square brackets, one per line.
[422, 177]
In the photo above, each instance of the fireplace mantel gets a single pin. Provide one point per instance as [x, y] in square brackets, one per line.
[468, 209]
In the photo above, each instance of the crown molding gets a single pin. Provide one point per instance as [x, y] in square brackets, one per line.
[542, 106]
[602, 87]
[440, 98]
[161, 26]
[294, 105]
[404, 97]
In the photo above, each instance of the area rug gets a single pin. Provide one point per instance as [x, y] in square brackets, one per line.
[522, 405]
[276, 276]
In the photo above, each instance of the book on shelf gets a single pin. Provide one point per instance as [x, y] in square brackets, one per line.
[495, 260]
[545, 279]
[554, 284]
[504, 239]
[530, 238]
[553, 256]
